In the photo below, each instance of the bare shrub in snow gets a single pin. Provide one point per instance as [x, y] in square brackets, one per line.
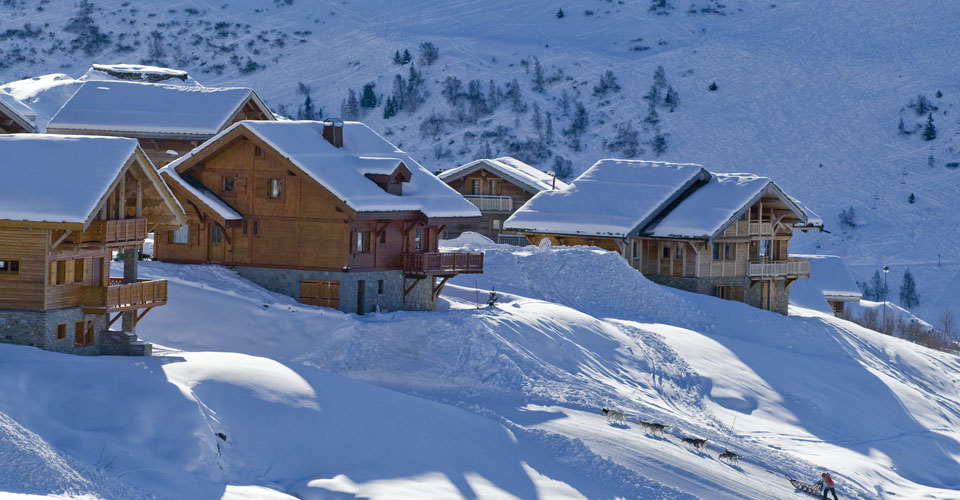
[429, 53]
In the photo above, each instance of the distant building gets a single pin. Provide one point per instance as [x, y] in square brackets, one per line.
[66, 204]
[329, 213]
[167, 120]
[830, 287]
[498, 187]
[15, 117]
[718, 234]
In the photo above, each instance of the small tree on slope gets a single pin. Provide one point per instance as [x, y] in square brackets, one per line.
[909, 297]
[929, 131]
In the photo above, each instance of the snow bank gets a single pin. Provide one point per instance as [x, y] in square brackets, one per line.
[829, 277]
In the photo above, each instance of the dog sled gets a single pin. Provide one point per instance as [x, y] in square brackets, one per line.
[815, 489]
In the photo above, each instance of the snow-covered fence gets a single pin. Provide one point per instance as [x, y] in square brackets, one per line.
[487, 203]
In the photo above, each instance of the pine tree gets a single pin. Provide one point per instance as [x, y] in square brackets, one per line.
[537, 76]
[307, 112]
[493, 298]
[713, 86]
[350, 107]
[939, 94]
[912, 199]
[930, 161]
[397, 58]
[901, 128]
[537, 121]
[564, 103]
[389, 108]
[429, 53]
[368, 99]
[876, 290]
[560, 14]
[653, 95]
[494, 95]
[909, 297]
[406, 57]
[548, 131]
[659, 143]
[399, 92]
[660, 78]
[653, 118]
[929, 131]
[672, 99]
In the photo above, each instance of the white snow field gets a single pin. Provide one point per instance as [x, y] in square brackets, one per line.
[500, 402]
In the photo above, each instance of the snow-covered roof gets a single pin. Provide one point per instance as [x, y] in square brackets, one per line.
[16, 110]
[613, 198]
[58, 178]
[44, 95]
[204, 195]
[710, 208]
[343, 171]
[151, 110]
[829, 280]
[512, 169]
[137, 72]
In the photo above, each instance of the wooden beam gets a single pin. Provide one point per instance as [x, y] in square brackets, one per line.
[141, 315]
[409, 289]
[60, 240]
[439, 287]
[115, 318]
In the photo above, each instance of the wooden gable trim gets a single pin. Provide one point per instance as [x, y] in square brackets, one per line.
[201, 207]
[241, 132]
[257, 103]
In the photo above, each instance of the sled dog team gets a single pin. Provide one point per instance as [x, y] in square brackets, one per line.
[826, 483]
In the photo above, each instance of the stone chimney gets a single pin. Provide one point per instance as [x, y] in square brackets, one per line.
[333, 131]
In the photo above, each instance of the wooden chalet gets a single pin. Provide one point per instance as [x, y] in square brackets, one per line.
[719, 234]
[328, 212]
[167, 120]
[498, 187]
[15, 117]
[66, 204]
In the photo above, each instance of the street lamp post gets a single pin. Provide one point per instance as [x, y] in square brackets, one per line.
[886, 271]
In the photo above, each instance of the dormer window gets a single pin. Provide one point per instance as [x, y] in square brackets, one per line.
[257, 151]
[228, 184]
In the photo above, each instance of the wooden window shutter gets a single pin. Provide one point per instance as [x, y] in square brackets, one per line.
[53, 273]
[71, 270]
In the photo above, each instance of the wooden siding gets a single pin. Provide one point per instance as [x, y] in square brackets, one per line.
[306, 227]
[463, 185]
[26, 290]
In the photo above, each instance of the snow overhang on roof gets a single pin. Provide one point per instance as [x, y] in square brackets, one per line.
[512, 169]
[148, 110]
[612, 199]
[343, 171]
[207, 197]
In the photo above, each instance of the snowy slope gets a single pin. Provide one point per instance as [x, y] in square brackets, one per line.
[801, 393]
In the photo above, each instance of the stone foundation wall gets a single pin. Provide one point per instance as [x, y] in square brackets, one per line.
[708, 286]
[39, 329]
[287, 282]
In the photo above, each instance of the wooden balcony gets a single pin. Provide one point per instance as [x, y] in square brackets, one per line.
[487, 203]
[442, 263]
[119, 296]
[780, 268]
[112, 232]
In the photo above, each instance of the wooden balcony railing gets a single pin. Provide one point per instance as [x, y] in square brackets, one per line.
[112, 231]
[487, 203]
[789, 267]
[443, 263]
[744, 228]
[512, 239]
[125, 297]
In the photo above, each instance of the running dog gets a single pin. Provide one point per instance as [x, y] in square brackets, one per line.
[695, 443]
[614, 416]
[730, 457]
[652, 427]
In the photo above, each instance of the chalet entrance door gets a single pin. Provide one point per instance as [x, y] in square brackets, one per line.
[360, 304]
[215, 245]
